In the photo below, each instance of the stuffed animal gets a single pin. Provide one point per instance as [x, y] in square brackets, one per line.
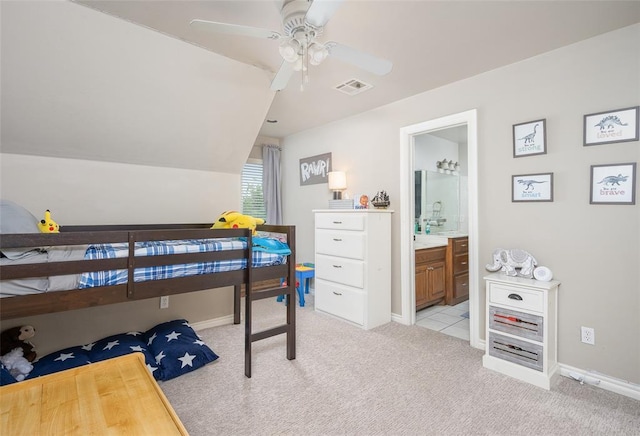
[47, 225]
[17, 337]
[235, 220]
[16, 364]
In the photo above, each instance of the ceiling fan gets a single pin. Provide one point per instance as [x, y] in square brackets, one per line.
[303, 22]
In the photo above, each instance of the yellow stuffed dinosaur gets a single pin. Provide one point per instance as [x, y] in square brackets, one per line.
[235, 220]
[47, 225]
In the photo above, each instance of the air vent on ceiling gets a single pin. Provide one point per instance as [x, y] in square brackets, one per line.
[353, 87]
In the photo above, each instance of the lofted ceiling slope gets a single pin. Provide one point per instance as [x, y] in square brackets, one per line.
[77, 83]
[431, 43]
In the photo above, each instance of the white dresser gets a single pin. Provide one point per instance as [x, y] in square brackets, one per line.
[521, 328]
[353, 265]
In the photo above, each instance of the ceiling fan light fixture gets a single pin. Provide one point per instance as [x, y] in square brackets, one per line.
[289, 50]
[317, 53]
[298, 65]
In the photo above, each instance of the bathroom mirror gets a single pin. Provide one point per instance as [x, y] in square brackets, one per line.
[437, 201]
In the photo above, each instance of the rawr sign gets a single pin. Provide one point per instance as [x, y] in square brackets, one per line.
[315, 169]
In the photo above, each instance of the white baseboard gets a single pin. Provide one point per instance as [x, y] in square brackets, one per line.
[215, 322]
[602, 381]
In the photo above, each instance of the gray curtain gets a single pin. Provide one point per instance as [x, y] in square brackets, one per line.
[271, 184]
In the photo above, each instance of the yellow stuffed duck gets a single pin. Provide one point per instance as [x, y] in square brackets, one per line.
[235, 220]
[47, 225]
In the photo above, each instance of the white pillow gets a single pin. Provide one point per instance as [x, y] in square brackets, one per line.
[16, 219]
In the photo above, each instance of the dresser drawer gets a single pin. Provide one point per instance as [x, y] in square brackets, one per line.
[461, 285]
[516, 298]
[460, 263]
[343, 244]
[461, 245]
[516, 351]
[516, 323]
[350, 221]
[430, 254]
[340, 270]
[340, 301]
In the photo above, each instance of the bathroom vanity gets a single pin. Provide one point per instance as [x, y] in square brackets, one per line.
[457, 270]
[430, 276]
[441, 269]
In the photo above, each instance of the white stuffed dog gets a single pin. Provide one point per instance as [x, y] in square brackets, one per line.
[16, 364]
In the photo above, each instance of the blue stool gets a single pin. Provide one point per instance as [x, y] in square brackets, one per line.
[304, 273]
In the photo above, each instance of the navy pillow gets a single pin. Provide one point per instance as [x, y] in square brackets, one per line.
[121, 344]
[5, 376]
[59, 361]
[177, 348]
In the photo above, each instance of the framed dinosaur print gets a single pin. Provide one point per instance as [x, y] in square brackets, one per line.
[530, 138]
[613, 184]
[620, 125]
[532, 187]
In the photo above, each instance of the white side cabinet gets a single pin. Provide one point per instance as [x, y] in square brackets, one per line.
[353, 265]
[521, 328]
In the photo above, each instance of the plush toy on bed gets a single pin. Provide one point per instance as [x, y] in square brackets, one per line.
[16, 364]
[18, 337]
[47, 225]
[235, 220]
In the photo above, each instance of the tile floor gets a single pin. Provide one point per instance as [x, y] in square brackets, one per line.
[446, 319]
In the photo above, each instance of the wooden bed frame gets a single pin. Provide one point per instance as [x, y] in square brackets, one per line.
[59, 301]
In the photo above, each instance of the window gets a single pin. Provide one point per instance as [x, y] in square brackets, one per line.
[252, 196]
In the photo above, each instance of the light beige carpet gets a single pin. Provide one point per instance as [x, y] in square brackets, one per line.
[392, 380]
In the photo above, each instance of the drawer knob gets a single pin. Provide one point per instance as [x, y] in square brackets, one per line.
[515, 297]
[337, 239]
[463, 263]
[337, 222]
[337, 266]
[336, 293]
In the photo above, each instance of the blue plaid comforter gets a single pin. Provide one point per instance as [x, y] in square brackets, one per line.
[156, 248]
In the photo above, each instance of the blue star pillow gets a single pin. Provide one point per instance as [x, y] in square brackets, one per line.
[121, 344]
[112, 346]
[177, 348]
[59, 361]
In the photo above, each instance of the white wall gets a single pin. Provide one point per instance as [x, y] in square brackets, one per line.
[593, 250]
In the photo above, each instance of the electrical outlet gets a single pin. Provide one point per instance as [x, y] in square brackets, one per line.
[164, 302]
[588, 335]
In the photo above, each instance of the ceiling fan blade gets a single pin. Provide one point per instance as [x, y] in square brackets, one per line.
[360, 59]
[282, 76]
[321, 11]
[235, 29]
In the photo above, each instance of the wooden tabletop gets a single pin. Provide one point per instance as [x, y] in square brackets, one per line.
[115, 396]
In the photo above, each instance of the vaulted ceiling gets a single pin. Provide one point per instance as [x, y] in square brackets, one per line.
[431, 43]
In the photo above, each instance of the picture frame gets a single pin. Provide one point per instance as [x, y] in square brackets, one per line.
[619, 125]
[613, 184]
[532, 187]
[315, 169]
[530, 138]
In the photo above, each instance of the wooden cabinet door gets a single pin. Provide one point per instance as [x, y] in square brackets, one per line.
[436, 281]
[421, 285]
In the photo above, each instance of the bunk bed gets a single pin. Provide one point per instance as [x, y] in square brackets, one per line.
[239, 267]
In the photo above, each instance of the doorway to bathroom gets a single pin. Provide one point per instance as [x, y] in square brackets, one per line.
[462, 213]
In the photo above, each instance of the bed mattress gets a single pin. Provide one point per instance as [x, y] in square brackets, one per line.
[9, 288]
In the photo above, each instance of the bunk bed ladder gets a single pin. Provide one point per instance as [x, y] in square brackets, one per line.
[251, 295]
